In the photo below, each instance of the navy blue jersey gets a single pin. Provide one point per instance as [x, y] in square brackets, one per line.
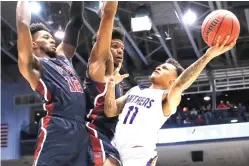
[95, 95]
[60, 87]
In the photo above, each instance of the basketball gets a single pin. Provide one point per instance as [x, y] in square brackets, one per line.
[220, 23]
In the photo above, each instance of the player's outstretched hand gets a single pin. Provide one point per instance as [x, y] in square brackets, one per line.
[116, 75]
[218, 49]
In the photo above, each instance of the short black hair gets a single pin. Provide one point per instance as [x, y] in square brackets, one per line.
[35, 27]
[179, 68]
[117, 33]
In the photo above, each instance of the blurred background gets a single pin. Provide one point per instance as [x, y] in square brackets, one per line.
[210, 126]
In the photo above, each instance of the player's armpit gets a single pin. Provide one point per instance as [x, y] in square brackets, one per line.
[26, 61]
[171, 101]
[72, 31]
[30, 73]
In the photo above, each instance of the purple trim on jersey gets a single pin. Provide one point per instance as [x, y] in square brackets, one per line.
[151, 161]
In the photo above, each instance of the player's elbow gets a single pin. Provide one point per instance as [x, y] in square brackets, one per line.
[110, 112]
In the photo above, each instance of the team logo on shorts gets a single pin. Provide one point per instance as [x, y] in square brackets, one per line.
[98, 155]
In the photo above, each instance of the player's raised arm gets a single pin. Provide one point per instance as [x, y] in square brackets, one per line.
[101, 50]
[193, 71]
[27, 63]
[70, 41]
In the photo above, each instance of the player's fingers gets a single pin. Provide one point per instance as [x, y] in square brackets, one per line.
[217, 41]
[233, 43]
[224, 43]
[124, 76]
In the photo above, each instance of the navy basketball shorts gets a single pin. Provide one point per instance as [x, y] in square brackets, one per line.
[61, 142]
[100, 147]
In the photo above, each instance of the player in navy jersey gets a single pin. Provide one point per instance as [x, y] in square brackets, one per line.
[106, 54]
[63, 138]
[143, 110]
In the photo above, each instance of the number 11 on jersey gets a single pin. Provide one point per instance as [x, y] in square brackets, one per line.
[131, 109]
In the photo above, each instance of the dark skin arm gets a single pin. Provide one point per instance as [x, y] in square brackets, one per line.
[100, 57]
[72, 31]
[27, 63]
[173, 98]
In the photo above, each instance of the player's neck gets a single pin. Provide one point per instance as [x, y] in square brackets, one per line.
[40, 53]
[157, 86]
[115, 65]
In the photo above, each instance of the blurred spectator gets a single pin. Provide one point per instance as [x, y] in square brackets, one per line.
[229, 105]
[208, 114]
[185, 109]
[187, 122]
[199, 120]
[203, 109]
[193, 112]
[185, 112]
[179, 119]
[222, 105]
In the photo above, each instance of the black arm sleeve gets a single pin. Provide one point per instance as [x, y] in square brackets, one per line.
[75, 23]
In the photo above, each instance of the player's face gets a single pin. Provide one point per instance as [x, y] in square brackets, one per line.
[45, 42]
[117, 50]
[164, 74]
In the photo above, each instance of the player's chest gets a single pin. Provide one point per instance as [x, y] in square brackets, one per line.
[61, 67]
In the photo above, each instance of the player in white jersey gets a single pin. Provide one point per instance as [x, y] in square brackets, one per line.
[144, 110]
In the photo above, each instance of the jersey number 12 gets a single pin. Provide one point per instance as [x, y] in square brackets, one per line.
[74, 84]
[131, 109]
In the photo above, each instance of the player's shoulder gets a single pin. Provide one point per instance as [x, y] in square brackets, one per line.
[136, 88]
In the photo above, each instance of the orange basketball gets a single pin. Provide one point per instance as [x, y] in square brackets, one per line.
[220, 23]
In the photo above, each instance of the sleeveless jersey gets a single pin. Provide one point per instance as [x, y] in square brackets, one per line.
[60, 89]
[95, 96]
[141, 118]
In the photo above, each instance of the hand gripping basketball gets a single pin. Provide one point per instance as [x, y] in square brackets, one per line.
[116, 77]
[218, 49]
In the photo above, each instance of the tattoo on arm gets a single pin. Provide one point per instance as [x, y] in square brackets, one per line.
[192, 72]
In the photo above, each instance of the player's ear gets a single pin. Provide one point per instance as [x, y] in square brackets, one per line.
[34, 45]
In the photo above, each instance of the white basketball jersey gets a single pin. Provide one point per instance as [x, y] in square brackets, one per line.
[141, 119]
